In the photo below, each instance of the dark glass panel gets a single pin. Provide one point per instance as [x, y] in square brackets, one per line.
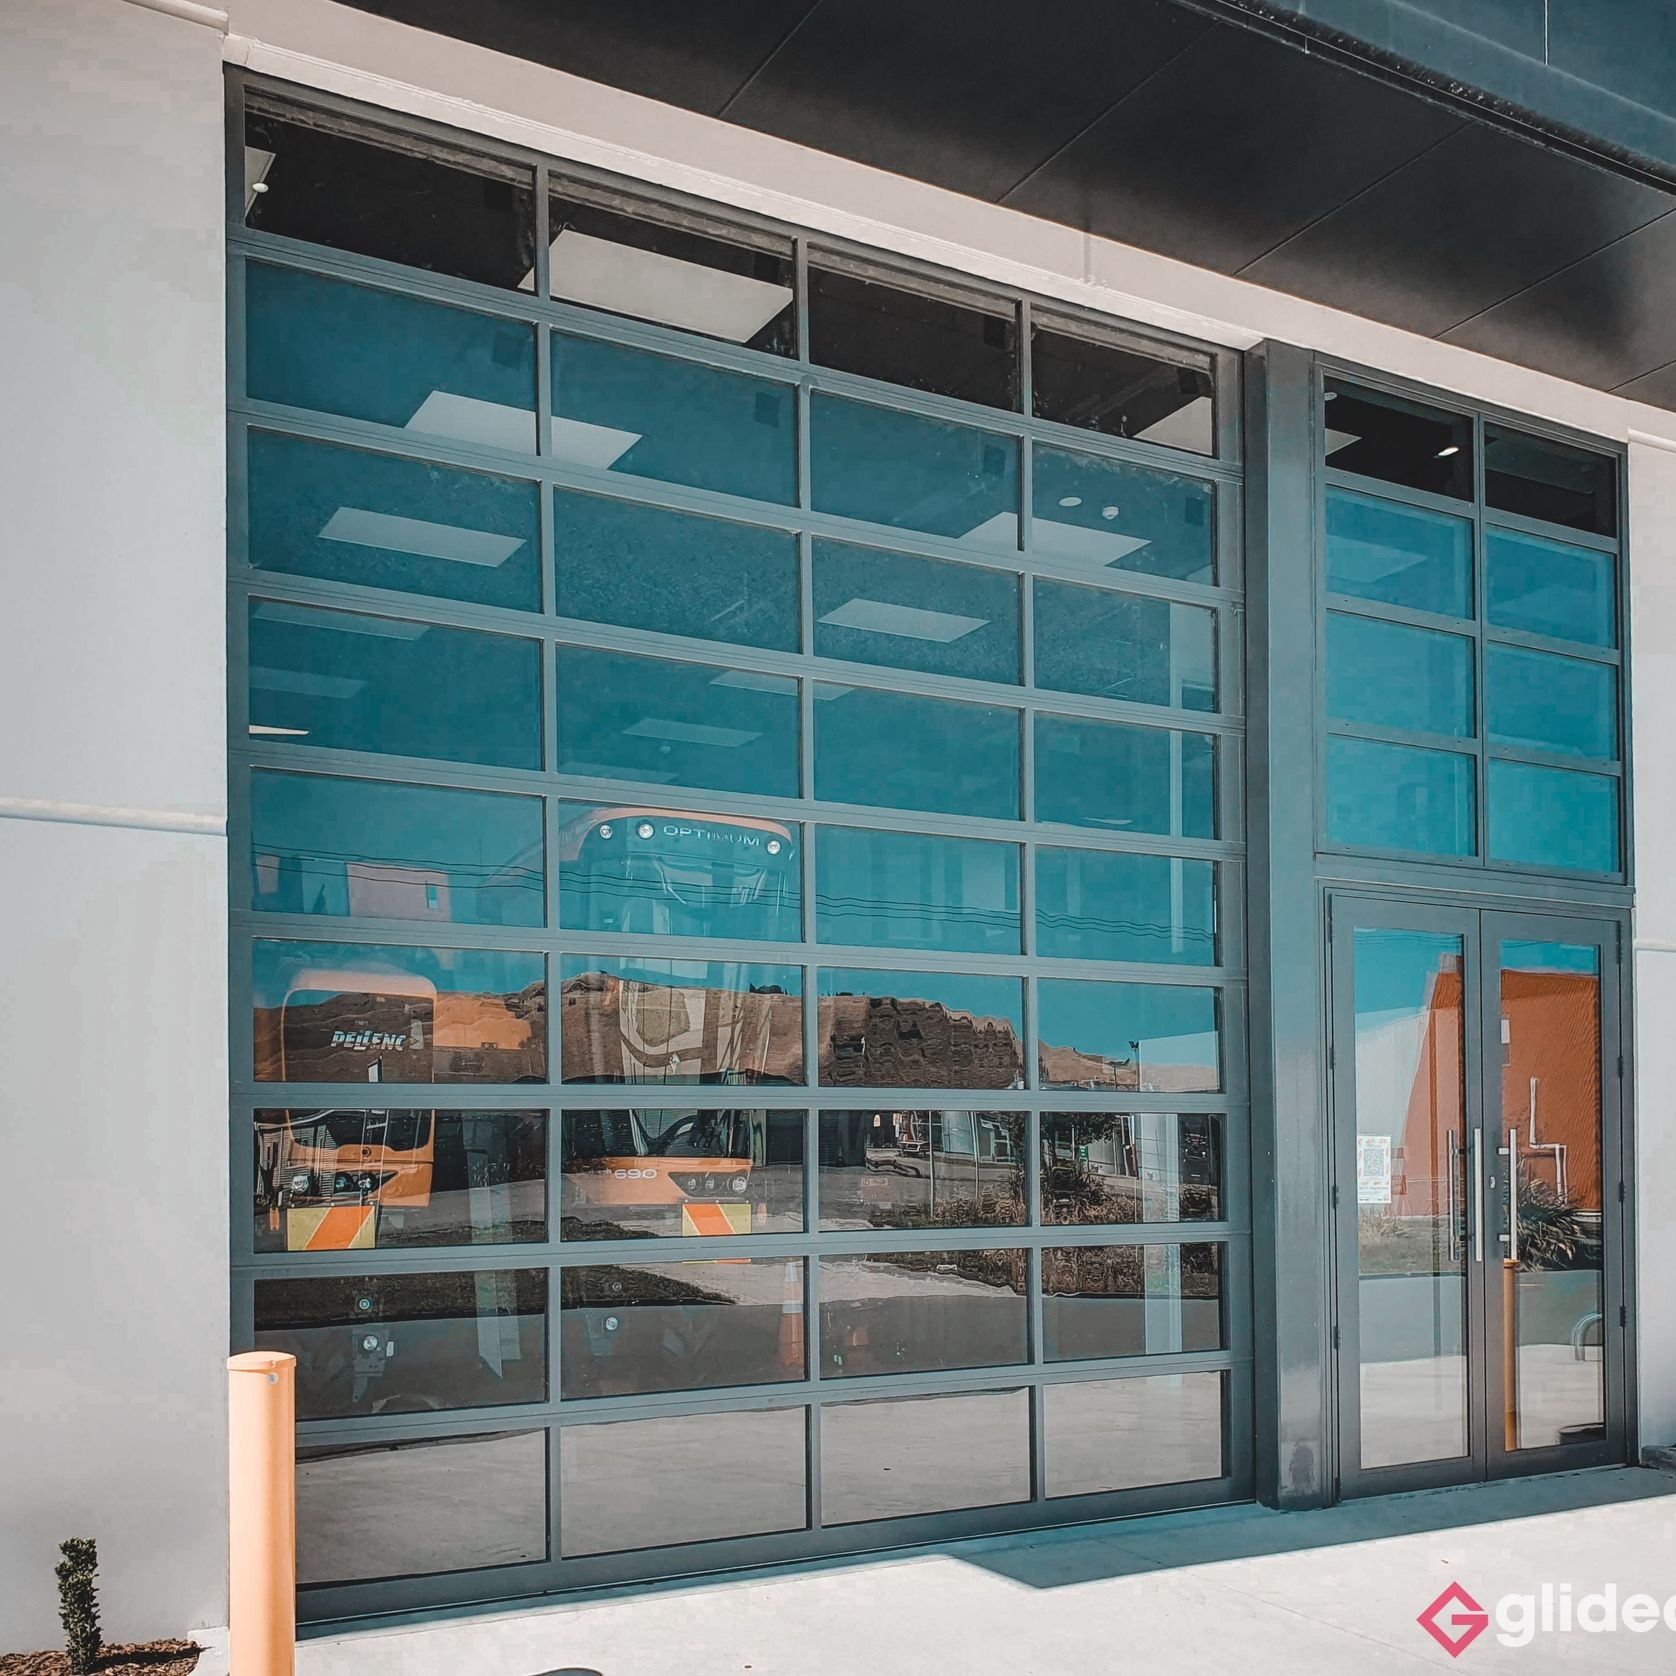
[342, 1179]
[1121, 646]
[922, 1312]
[1392, 675]
[1127, 1434]
[922, 1169]
[678, 873]
[1393, 797]
[680, 1021]
[631, 1328]
[1541, 478]
[1547, 703]
[682, 1478]
[645, 567]
[1398, 441]
[1130, 1300]
[687, 1173]
[369, 849]
[1546, 587]
[341, 680]
[1104, 515]
[1398, 555]
[356, 1012]
[1162, 1038]
[347, 515]
[661, 722]
[1133, 779]
[902, 890]
[1551, 817]
[920, 1030]
[395, 360]
[1111, 905]
[409, 1343]
[1110, 1167]
[1123, 389]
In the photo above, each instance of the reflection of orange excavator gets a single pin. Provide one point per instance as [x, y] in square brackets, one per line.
[328, 1174]
[623, 1160]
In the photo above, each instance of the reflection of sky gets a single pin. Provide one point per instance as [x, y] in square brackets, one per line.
[1173, 1024]
[1394, 970]
[277, 967]
[984, 997]
[1550, 957]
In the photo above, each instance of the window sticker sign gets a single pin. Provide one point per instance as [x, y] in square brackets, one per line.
[1373, 1169]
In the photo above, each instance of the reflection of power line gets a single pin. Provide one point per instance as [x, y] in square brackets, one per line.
[308, 866]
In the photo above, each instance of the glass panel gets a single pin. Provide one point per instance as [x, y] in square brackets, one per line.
[675, 873]
[1553, 1292]
[1135, 779]
[1411, 1185]
[686, 273]
[409, 1343]
[1378, 435]
[1545, 587]
[1156, 1037]
[1101, 515]
[902, 1455]
[680, 1021]
[909, 613]
[1551, 817]
[900, 751]
[913, 473]
[1541, 478]
[358, 1012]
[645, 415]
[630, 1328]
[1130, 1300]
[682, 1478]
[1122, 390]
[1551, 704]
[339, 1179]
[684, 1173]
[1393, 797]
[920, 1030]
[1111, 645]
[371, 850]
[695, 724]
[400, 198]
[1126, 1434]
[926, 336]
[339, 680]
[346, 515]
[1109, 1167]
[341, 348]
[1398, 555]
[1390, 675]
[901, 890]
[1110, 905]
[644, 567]
[406, 1507]
[922, 1169]
[921, 1312]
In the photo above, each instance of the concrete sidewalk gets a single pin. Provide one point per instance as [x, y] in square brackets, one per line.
[1236, 1589]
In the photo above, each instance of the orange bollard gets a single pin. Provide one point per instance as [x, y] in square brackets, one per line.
[262, 1514]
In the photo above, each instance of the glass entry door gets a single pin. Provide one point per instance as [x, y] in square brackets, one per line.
[1476, 1108]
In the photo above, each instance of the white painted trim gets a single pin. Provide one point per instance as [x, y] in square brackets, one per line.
[1653, 441]
[96, 814]
[189, 11]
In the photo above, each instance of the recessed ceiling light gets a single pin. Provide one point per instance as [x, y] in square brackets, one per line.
[1444, 453]
[908, 622]
[691, 733]
[420, 536]
[1108, 513]
[471, 419]
[1070, 500]
[261, 730]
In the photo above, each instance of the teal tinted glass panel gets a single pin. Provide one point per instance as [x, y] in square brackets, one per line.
[1398, 555]
[645, 567]
[1110, 905]
[366, 1012]
[346, 515]
[374, 850]
[1393, 797]
[901, 890]
[341, 680]
[644, 415]
[1549, 703]
[1121, 646]
[1552, 817]
[673, 873]
[1548, 587]
[1132, 779]
[1391, 675]
[912, 613]
[900, 751]
[1131, 1036]
[920, 1030]
[690, 724]
[1104, 515]
[913, 473]
[435, 371]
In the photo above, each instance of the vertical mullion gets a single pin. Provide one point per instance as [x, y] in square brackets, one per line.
[1480, 713]
[543, 280]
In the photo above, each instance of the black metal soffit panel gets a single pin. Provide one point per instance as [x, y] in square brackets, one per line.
[1159, 124]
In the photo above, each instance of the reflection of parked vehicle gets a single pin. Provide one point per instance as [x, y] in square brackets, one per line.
[342, 1157]
[624, 1158]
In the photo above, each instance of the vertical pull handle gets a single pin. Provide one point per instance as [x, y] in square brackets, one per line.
[1513, 1191]
[1478, 1196]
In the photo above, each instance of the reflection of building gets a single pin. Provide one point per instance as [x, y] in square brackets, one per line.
[879, 1041]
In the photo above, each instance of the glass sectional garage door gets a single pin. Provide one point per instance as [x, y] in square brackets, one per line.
[738, 981]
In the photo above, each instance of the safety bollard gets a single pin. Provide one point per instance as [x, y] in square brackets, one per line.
[262, 1514]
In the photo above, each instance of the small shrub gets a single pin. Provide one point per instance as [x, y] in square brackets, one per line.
[78, 1602]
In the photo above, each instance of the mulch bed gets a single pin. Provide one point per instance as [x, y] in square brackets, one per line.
[139, 1658]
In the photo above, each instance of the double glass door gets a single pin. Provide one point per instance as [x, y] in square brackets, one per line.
[1476, 1099]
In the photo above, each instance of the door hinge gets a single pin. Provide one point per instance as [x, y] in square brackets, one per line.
[1335, 1338]
[1335, 1195]
[1620, 1067]
[1332, 1057]
[1622, 1193]
[1623, 1315]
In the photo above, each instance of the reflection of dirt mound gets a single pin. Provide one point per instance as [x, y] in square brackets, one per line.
[873, 1041]
[1072, 1068]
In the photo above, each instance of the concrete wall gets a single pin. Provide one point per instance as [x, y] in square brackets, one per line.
[113, 1204]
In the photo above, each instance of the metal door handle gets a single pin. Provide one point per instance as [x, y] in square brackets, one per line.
[1513, 1193]
[1477, 1196]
